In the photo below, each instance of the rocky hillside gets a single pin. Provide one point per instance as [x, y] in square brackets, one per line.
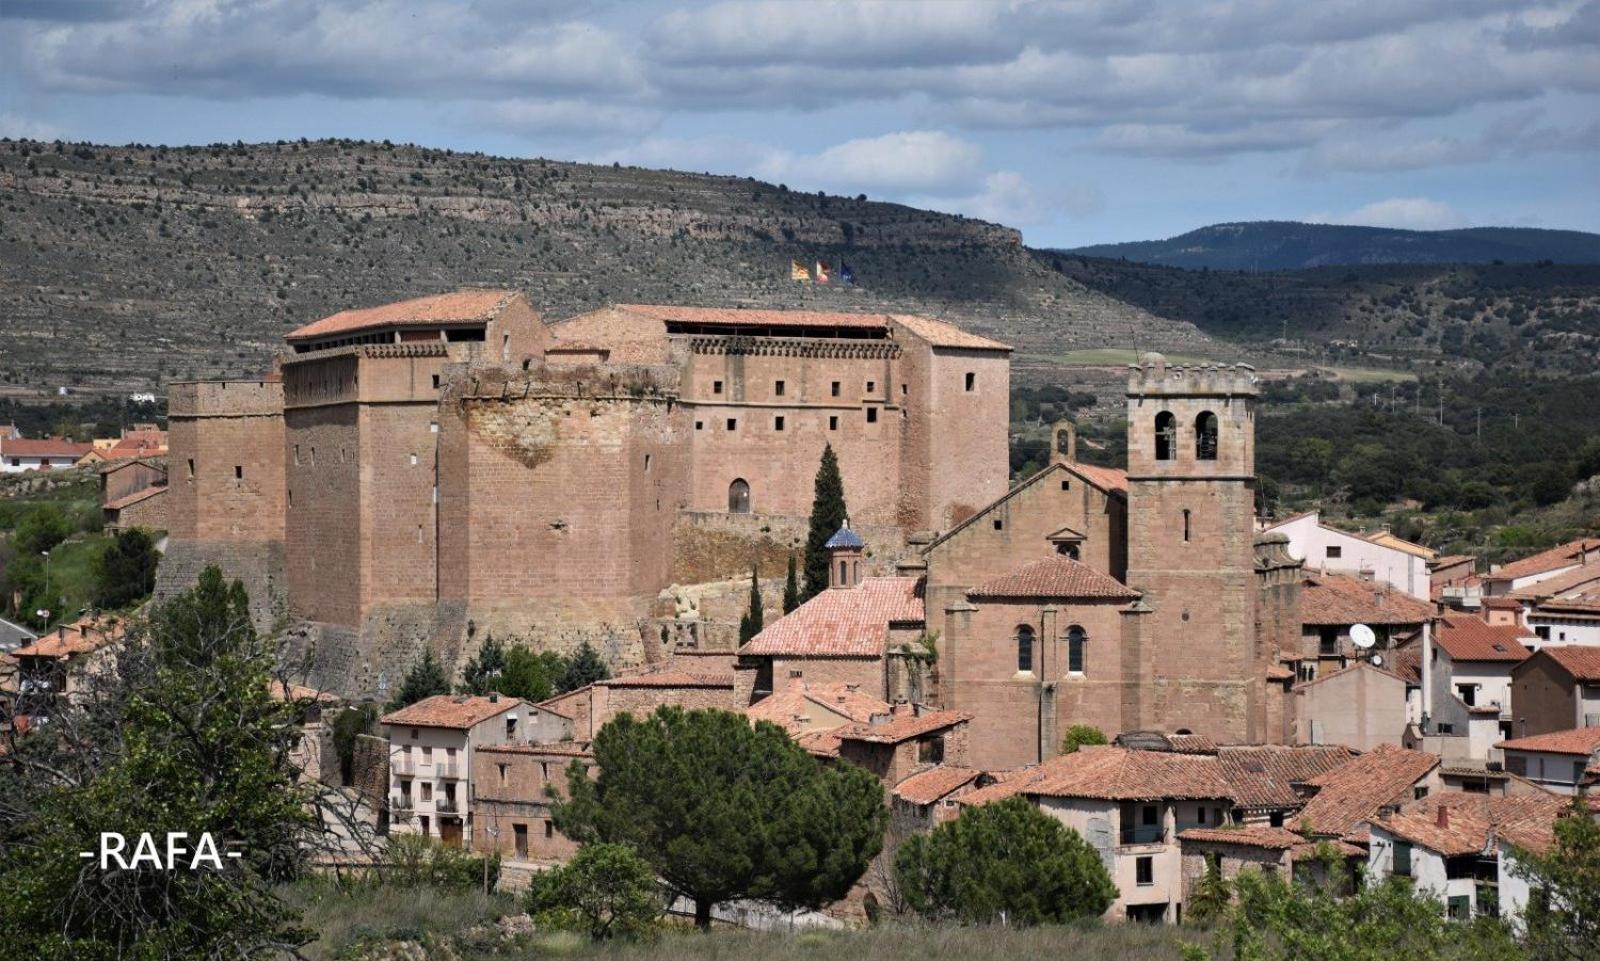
[127, 267]
[1290, 245]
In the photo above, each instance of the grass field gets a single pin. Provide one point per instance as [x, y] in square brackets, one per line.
[1110, 357]
[72, 571]
[364, 922]
[1370, 375]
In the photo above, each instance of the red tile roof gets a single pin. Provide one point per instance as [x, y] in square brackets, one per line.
[1105, 478]
[1471, 820]
[1467, 637]
[1582, 741]
[451, 710]
[134, 498]
[670, 678]
[900, 727]
[1354, 792]
[843, 621]
[941, 334]
[819, 743]
[83, 636]
[557, 748]
[138, 443]
[1055, 577]
[1114, 773]
[1340, 599]
[43, 447]
[800, 701]
[733, 316]
[1582, 661]
[1563, 555]
[460, 307]
[1271, 838]
[1562, 583]
[929, 786]
[1263, 776]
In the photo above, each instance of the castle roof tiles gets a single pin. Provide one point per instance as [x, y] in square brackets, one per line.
[900, 727]
[1116, 774]
[941, 334]
[1056, 576]
[755, 317]
[460, 307]
[843, 621]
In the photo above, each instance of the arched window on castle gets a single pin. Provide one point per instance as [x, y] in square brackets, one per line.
[1077, 649]
[1166, 436]
[1205, 436]
[739, 497]
[1024, 649]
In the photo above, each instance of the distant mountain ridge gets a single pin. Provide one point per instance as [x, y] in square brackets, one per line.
[1291, 245]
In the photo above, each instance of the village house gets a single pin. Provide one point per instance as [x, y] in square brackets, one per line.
[1564, 609]
[801, 708]
[1331, 604]
[510, 800]
[19, 454]
[590, 707]
[1381, 557]
[1563, 762]
[61, 664]
[1360, 706]
[1458, 848]
[1520, 574]
[1556, 689]
[1455, 581]
[1470, 678]
[1381, 779]
[928, 799]
[431, 746]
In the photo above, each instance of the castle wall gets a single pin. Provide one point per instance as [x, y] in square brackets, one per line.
[968, 433]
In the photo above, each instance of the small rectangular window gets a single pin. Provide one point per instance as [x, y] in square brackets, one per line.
[833, 422]
[413, 460]
[699, 425]
[238, 472]
[1145, 871]
[777, 388]
[647, 463]
[972, 380]
[999, 524]
[1402, 859]
[733, 423]
[15, 461]
[1335, 552]
[872, 385]
[835, 388]
[716, 387]
[872, 415]
[435, 381]
[777, 422]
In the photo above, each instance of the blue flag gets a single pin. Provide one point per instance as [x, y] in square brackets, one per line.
[846, 275]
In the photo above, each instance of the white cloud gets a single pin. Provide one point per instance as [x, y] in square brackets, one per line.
[570, 118]
[914, 160]
[1407, 213]
[19, 127]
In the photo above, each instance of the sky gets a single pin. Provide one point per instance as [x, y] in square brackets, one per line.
[1077, 122]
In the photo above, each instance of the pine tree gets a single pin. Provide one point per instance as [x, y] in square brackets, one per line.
[827, 516]
[479, 674]
[585, 666]
[425, 679]
[791, 588]
[751, 623]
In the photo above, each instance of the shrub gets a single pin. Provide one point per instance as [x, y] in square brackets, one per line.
[606, 891]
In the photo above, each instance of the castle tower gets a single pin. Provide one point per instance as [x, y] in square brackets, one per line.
[844, 548]
[1197, 659]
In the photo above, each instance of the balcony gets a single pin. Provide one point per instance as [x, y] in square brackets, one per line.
[403, 764]
[401, 806]
[447, 769]
[1144, 834]
[445, 804]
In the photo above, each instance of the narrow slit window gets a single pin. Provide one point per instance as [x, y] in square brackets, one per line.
[1024, 648]
[1186, 524]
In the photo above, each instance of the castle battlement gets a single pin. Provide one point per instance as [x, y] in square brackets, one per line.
[1154, 377]
[225, 398]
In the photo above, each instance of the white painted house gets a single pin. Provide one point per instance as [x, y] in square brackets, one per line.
[430, 759]
[1324, 548]
[1562, 762]
[18, 454]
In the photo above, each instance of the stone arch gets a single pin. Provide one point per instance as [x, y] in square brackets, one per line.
[1166, 436]
[1205, 436]
[739, 496]
[1025, 637]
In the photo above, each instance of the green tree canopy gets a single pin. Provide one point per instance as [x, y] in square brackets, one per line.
[1563, 918]
[481, 671]
[1005, 862]
[791, 588]
[751, 623]
[606, 891]
[425, 679]
[529, 675]
[723, 810]
[1081, 735]
[585, 666]
[41, 529]
[126, 571]
[827, 516]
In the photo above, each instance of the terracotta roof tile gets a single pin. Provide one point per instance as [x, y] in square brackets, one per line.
[942, 334]
[1471, 820]
[1105, 478]
[1263, 776]
[1108, 479]
[451, 710]
[1192, 744]
[1582, 741]
[901, 727]
[784, 707]
[1340, 599]
[1470, 638]
[83, 636]
[843, 621]
[460, 307]
[1563, 583]
[1275, 839]
[1582, 661]
[139, 443]
[733, 316]
[1114, 773]
[669, 678]
[929, 786]
[1055, 576]
[43, 447]
[1563, 555]
[134, 498]
[558, 748]
[819, 743]
[1354, 792]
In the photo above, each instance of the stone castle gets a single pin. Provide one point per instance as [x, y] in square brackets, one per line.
[432, 471]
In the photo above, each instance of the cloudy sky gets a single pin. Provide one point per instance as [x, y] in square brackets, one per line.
[1080, 121]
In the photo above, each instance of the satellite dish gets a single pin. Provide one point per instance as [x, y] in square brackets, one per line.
[1362, 636]
[1377, 660]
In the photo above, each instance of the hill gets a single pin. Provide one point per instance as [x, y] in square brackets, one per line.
[1539, 317]
[1289, 245]
[128, 267]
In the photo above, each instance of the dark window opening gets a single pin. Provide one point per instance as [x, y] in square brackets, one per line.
[931, 751]
[872, 415]
[1144, 871]
[435, 381]
[1186, 524]
[238, 472]
[1166, 436]
[999, 525]
[739, 497]
[833, 422]
[777, 388]
[972, 380]
[1024, 648]
[1402, 859]
[872, 385]
[733, 423]
[699, 425]
[716, 387]
[1205, 436]
[777, 422]
[1077, 640]
[1334, 552]
[835, 389]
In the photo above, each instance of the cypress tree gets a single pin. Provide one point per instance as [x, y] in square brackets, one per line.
[791, 588]
[827, 516]
[750, 624]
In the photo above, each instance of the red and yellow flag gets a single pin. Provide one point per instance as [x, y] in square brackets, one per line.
[823, 271]
[798, 271]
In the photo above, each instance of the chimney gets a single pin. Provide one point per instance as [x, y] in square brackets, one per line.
[1442, 819]
[494, 697]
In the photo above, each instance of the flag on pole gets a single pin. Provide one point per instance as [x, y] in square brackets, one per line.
[798, 271]
[822, 271]
[846, 275]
